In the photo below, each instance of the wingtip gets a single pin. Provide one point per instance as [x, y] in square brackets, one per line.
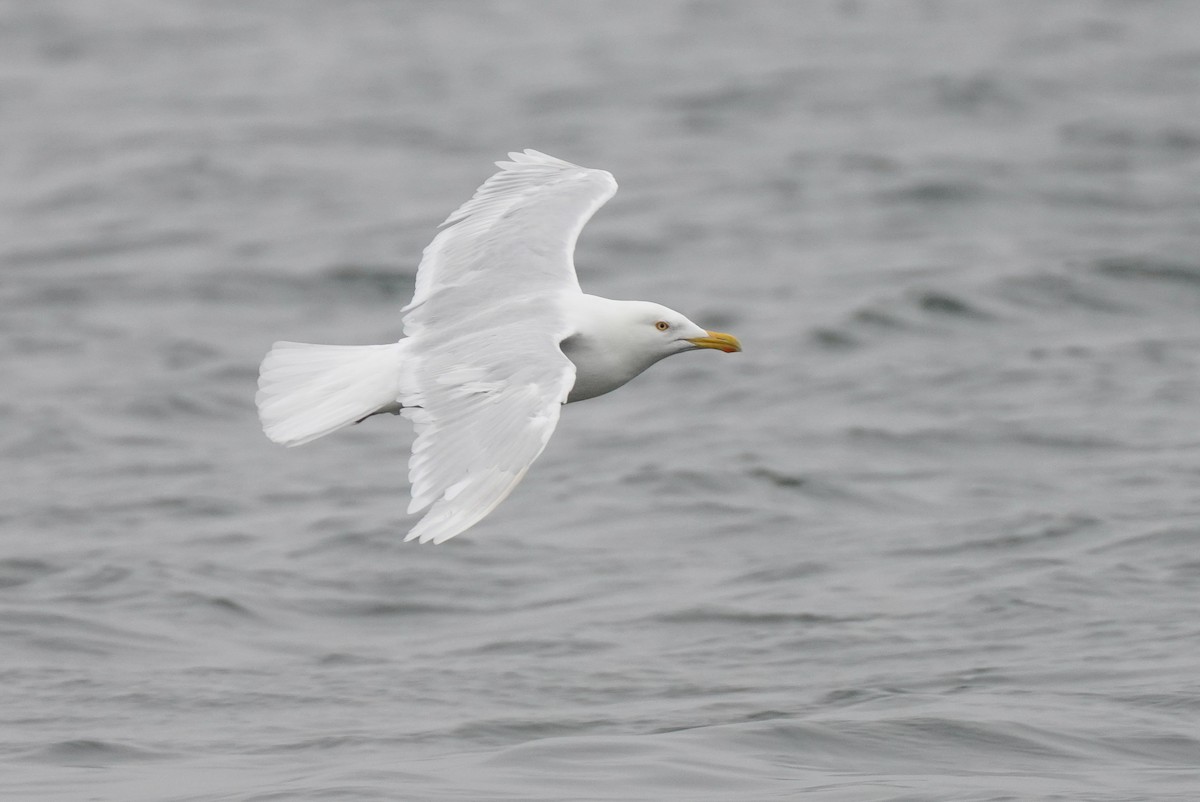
[522, 158]
[432, 534]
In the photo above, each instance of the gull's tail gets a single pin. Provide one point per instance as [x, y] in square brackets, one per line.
[307, 391]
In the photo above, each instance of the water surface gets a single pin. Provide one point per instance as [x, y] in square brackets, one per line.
[932, 536]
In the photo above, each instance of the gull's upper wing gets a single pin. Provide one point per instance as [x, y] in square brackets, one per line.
[485, 379]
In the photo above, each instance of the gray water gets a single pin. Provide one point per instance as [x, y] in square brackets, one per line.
[932, 536]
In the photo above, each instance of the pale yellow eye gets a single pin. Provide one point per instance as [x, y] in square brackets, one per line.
[662, 325]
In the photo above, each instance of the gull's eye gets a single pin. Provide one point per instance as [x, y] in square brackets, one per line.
[662, 325]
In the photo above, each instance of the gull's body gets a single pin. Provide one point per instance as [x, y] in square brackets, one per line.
[499, 336]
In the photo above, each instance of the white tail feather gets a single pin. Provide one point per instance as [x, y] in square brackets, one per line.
[307, 391]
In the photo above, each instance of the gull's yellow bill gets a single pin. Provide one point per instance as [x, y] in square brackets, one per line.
[719, 340]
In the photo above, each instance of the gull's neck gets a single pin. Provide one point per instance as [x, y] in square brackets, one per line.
[604, 346]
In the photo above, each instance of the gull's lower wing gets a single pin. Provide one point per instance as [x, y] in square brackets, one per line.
[488, 404]
[485, 379]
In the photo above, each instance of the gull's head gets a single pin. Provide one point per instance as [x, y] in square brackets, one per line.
[616, 340]
[662, 331]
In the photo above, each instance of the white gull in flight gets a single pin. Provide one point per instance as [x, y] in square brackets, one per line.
[498, 337]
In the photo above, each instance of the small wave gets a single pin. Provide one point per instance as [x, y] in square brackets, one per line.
[778, 479]
[1065, 440]
[943, 303]
[667, 765]
[39, 439]
[919, 311]
[1169, 540]
[716, 103]
[817, 488]
[382, 281]
[94, 753]
[834, 339]
[848, 697]
[879, 319]
[188, 354]
[531, 729]
[16, 571]
[380, 608]
[966, 744]
[171, 405]
[676, 480]
[326, 743]
[340, 659]
[978, 94]
[779, 573]
[61, 633]
[926, 435]
[1020, 535]
[1051, 292]
[935, 191]
[220, 604]
[544, 647]
[188, 506]
[1186, 703]
[725, 615]
[1170, 139]
[85, 251]
[1148, 269]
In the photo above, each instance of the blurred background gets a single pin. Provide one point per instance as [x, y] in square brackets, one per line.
[932, 536]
